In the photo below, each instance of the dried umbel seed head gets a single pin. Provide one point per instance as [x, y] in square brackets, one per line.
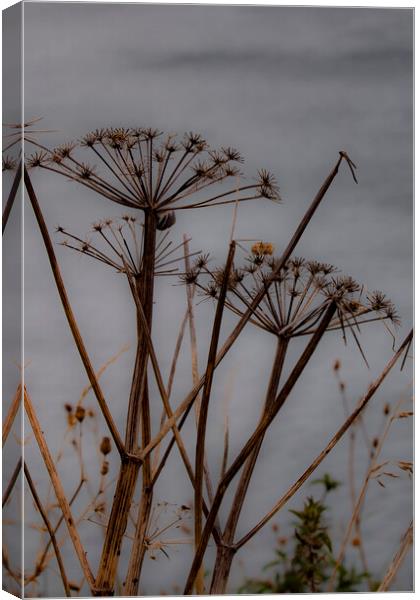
[201, 261]
[138, 169]
[105, 446]
[80, 413]
[105, 468]
[8, 163]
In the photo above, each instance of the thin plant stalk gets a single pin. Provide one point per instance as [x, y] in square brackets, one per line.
[397, 561]
[11, 484]
[361, 497]
[200, 587]
[190, 398]
[331, 444]
[254, 439]
[138, 412]
[47, 523]
[226, 551]
[12, 196]
[70, 316]
[204, 405]
[11, 414]
[59, 491]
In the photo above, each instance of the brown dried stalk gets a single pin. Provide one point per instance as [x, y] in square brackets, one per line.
[372, 468]
[59, 491]
[188, 401]
[11, 484]
[138, 412]
[255, 438]
[396, 562]
[41, 562]
[204, 405]
[200, 588]
[70, 316]
[11, 414]
[331, 444]
[50, 530]
[225, 550]
[12, 196]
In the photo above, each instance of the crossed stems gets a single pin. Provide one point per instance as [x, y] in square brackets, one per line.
[139, 382]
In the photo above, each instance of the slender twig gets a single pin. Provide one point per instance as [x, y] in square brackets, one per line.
[70, 316]
[50, 530]
[12, 196]
[396, 562]
[11, 414]
[254, 439]
[225, 552]
[11, 484]
[205, 400]
[362, 494]
[186, 403]
[333, 442]
[59, 491]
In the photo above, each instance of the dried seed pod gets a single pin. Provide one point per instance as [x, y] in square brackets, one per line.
[375, 442]
[105, 446]
[71, 420]
[166, 220]
[337, 365]
[80, 413]
[386, 409]
[68, 407]
[105, 468]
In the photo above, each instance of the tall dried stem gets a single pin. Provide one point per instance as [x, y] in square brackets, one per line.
[138, 413]
[226, 551]
[331, 444]
[59, 491]
[204, 405]
[255, 438]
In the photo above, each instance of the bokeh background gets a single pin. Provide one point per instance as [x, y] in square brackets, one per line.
[289, 87]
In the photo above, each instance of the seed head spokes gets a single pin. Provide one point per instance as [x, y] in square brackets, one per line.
[141, 168]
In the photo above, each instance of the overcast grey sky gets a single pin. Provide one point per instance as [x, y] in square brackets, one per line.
[289, 87]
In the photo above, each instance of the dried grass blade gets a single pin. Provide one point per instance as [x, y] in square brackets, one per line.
[396, 562]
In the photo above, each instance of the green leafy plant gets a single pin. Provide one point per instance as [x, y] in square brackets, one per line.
[305, 564]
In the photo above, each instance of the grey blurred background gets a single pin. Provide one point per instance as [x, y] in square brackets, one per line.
[289, 87]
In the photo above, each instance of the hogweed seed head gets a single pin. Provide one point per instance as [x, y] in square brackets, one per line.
[137, 169]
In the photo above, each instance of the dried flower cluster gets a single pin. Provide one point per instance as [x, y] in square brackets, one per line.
[119, 244]
[141, 168]
[296, 296]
